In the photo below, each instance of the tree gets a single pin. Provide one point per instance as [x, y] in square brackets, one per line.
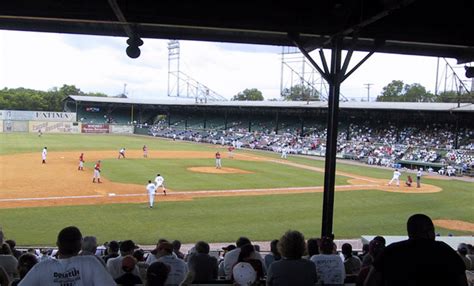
[249, 94]
[30, 99]
[400, 92]
[452, 96]
[392, 91]
[300, 93]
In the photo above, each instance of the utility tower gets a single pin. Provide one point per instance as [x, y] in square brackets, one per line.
[183, 85]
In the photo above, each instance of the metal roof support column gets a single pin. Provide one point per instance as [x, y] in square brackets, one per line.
[335, 76]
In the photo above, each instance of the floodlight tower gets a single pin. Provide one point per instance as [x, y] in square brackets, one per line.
[183, 85]
[296, 70]
[173, 68]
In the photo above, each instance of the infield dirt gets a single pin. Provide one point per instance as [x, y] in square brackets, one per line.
[26, 182]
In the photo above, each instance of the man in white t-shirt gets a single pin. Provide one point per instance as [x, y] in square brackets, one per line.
[69, 268]
[160, 182]
[396, 178]
[151, 190]
[329, 266]
[178, 268]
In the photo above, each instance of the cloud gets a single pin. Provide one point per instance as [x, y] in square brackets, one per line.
[100, 64]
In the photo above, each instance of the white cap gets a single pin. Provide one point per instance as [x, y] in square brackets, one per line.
[244, 274]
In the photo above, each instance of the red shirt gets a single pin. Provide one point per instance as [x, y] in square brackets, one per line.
[97, 166]
[218, 155]
[231, 148]
[81, 158]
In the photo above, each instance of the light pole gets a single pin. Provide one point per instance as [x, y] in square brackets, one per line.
[368, 90]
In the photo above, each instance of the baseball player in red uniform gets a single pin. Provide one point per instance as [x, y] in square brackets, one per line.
[218, 160]
[145, 151]
[231, 151]
[97, 172]
[81, 163]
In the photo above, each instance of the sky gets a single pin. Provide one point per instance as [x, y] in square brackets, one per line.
[99, 64]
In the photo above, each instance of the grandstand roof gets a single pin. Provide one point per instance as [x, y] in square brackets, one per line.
[416, 27]
[415, 106]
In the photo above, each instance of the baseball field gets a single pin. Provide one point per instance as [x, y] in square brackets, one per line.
[255, 194]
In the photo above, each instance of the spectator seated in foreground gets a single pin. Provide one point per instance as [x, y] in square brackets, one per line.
[329, 266]
[420, 260]
[202, 266]
[292, 269]
[69, 268]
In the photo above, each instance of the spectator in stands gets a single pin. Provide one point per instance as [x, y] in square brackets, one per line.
[8, 261]
[25, 263]
[69, 268]
[420, 260]
[374, 250]
[112, 250]
[329, 266]
[365, 251]
[114, 265]
[128, 278]
[89, 247]
[4, 278]
[178, 268]
[292, 269]
[247, 270]
[157, 274]
[202, 267]
[176, 246]
[274, 254]
[232, 257]
[463, 251]
[352, 263]
[139, 255]
[155, 254]
[313, 246]
[14, 251]
[228, 248]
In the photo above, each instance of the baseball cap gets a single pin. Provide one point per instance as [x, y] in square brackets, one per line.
[244, 274]
[229, 247]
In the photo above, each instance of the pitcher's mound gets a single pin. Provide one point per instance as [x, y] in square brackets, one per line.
[213, 170]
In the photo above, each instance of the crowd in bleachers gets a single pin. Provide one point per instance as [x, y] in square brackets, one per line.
[291, 261]
[384, 146]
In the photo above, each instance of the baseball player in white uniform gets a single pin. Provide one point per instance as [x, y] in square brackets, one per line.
[121, 153]
[151, 190]
[284, 152]
[396, 178]
[418, 177]
[44, 154]
[160, 182]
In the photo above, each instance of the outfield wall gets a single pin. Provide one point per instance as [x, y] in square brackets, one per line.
[54, 127]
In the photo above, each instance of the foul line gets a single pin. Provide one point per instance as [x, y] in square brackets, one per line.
[186, 193]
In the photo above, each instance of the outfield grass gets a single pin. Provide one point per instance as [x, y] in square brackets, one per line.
[225, 218]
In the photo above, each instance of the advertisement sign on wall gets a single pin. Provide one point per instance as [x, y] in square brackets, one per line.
[37, 115]
[15, 126]
[54, 127]
[121, 129]
[95, 128]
